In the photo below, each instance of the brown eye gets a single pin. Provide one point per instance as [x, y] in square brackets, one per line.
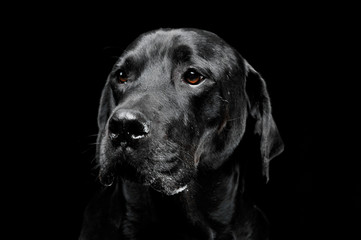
[121, 77]
[193, 77]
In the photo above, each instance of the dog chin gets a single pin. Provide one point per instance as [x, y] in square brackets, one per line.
[170, 190]
[171, 184]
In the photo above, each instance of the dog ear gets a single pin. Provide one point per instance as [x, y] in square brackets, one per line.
[259, 107]
[110, 55]
[106, 105]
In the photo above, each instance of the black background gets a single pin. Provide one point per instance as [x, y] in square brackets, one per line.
[59, 59]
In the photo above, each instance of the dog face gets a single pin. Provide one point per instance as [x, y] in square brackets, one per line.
[177, 101]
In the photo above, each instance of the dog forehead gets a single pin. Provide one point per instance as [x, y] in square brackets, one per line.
[193, 47]
[179, 42]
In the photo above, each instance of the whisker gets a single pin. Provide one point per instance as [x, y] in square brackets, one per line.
[86, 150]
[94, 144]
[222, 99]
[233, 119]
[93, 135]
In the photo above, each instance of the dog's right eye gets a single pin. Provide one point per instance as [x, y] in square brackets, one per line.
[121, 76]
[193, 77]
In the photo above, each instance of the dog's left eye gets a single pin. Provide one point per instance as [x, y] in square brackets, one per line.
[193, 77]
[121, 76]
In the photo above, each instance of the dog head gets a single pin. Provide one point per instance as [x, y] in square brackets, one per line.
[175, 101]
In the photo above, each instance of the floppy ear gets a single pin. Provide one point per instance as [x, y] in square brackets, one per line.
[106, 105]
[259, 107]
[110, 55]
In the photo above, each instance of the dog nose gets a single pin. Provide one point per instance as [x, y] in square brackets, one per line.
[126, 127]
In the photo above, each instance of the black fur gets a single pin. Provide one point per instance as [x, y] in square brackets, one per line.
[184, 179]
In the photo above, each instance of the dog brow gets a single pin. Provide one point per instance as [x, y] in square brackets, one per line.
[182, 53]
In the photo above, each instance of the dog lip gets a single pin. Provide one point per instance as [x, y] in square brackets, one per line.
[178, 190]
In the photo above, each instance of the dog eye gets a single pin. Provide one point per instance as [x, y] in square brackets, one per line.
[121, 76]
[192, 77]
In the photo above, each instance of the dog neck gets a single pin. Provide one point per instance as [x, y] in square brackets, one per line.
[212, 205]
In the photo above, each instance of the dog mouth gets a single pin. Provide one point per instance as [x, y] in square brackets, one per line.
[169, 176]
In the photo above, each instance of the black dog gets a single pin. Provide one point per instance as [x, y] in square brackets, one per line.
[172, 114]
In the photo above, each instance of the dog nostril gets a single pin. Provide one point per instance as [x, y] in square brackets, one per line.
[136, 129]
[127, 126]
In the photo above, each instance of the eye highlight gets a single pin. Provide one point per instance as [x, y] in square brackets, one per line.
[121, 76]
[192, 77]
